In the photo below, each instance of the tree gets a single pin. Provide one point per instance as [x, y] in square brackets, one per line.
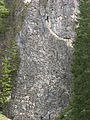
[9, 67]
[9, 57]
[5, 81]
[81, 64]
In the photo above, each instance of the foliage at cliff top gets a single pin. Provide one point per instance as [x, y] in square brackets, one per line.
[80, 105]
[4, 12]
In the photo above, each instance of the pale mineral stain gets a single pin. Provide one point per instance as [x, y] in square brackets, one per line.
[27, 1]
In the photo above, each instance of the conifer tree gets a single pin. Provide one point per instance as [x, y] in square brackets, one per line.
[9, 58]
[81, 65]
[9, 67]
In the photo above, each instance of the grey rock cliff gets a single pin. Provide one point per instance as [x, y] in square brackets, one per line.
[45, 41]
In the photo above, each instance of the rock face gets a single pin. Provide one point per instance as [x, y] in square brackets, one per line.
[45, 41]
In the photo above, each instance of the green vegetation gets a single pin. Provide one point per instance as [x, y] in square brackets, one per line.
[9, 57]
[81, 65]
[79, 108]
[4, 12]
[2, 117]
[66, 114]
[80, 105]
[8, 69]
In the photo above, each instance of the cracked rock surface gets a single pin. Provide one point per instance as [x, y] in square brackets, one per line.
[45, 41]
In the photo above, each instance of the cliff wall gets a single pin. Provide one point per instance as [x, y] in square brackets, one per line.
[45, 40]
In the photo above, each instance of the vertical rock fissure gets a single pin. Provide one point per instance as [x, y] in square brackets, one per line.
[42, 7]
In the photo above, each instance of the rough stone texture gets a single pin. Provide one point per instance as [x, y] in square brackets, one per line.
[44, 77]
